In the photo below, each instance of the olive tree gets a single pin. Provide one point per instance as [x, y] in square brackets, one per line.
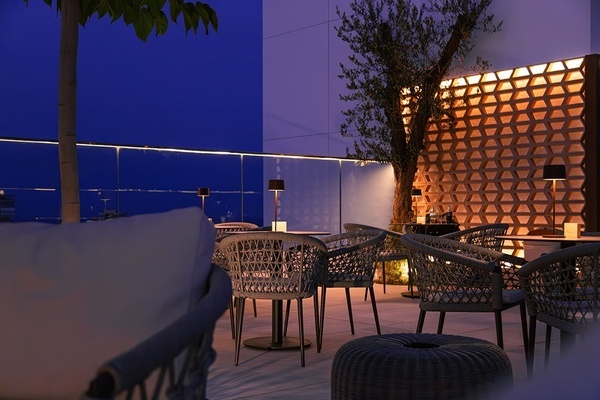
[401, 53]
[145, 16]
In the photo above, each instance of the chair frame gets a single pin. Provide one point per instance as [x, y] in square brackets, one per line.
[571, 305]
[392, 250]
[453, 276]
[226, 228]
[158, 356]
[351, 258]
[482, 235]
[274, 266]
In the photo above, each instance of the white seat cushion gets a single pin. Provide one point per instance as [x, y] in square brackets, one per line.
[73, 296]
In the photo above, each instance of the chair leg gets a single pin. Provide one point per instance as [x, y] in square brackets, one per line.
[366, 293]
[317, 327]
[410, 281]
[254, 307]
[523, 310]
[421, 321]
[287, 317]
[531, 346]
[322, 313]
[232, 318]
[349, 309]
[499, 338]
[567, 341]
[383, 275]
[301, 331]
[547, 346]
[239, 321]
[441, 321]
[372, 292]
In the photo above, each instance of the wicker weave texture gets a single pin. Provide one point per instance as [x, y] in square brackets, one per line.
[562, 288]
[456, 276]
[392, 249]
[351, 256]
[273, 265]
[225, 228]
[419, 366]
[483, 235]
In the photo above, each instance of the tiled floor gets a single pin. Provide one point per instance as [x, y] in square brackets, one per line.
[278, 374]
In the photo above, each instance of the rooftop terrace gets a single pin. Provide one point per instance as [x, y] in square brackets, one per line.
[277, 374]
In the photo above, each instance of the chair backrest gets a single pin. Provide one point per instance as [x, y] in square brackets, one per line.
[351, 255]
[392, 241]
[273, 265]
[483, 235]
[450, 271]
[562, 288]
[225, 228]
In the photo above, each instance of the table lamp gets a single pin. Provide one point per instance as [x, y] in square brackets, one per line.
[276, 185]
[554, 173]
[203, 192]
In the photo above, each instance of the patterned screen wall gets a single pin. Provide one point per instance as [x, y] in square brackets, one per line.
[489, 169]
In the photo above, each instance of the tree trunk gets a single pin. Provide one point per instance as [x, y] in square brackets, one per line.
[403, 183]
[67, 102]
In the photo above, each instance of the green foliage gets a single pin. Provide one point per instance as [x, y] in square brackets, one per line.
[396, 272]
[147, 15]
[401, 54]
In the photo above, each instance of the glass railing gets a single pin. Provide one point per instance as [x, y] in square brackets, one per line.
[115, 180]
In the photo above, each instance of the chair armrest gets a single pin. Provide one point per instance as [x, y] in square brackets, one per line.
[132, 367]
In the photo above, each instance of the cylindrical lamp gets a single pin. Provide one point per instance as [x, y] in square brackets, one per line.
[276, 185]
[554, 172]
[203, 192]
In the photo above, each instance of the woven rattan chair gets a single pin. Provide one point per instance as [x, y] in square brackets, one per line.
[483, 235]
[562, 290]
[222, 230]
[392, 250]
[453, 276]
[225, 228]
[351, 260]
[275, 266]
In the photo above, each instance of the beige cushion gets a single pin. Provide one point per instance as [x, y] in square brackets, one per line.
[73, 296]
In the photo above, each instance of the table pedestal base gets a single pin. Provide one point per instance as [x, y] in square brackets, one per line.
[266, 342]
[413, 295]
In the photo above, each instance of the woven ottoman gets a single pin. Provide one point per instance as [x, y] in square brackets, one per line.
[419, 366]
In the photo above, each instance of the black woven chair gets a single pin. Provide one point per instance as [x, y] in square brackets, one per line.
[351, 260]
[482, 235]
[453, 276]
[392, 250]
[562, 290]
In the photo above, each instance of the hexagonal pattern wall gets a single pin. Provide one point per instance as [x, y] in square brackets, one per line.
[489, 168]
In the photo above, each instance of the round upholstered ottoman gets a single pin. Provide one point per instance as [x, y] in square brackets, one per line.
[419, 366]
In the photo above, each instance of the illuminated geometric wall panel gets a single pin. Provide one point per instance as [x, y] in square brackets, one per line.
[489, 168]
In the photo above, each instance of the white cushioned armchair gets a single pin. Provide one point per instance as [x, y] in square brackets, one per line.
[98, 308]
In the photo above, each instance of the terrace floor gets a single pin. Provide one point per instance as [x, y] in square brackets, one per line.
[278, 374]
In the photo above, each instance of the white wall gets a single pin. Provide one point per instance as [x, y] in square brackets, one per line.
[301, 56]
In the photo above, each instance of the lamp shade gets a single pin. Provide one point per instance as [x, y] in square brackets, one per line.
[554, 173]
[276, 185]
[203, 192]
[416, 193]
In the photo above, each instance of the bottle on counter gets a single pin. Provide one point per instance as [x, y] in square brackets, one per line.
[427, 217]
[449, 218]
[432, 216]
